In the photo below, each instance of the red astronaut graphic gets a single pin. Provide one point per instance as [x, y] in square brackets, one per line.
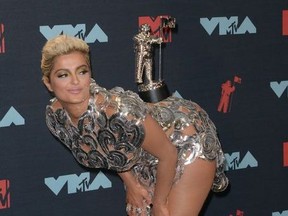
[285, 154]
[285, 22]
[4, 193]
[2, 39]
[238, 213]
[226, 95]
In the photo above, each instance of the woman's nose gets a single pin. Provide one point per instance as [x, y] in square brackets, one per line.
[75, 79]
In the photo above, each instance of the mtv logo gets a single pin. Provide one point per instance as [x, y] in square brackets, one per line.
[4, 194]
[2, 39]
[79, 31]
[285, 22]
[283, 213]
[228, 26]
[235, 162]
[75, 183]
[285, 154]
[279, 87]
[12, 117]
[155, 24]
[239, 213]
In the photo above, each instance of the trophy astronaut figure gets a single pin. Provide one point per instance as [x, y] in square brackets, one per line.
[150, 90]
[144, 53]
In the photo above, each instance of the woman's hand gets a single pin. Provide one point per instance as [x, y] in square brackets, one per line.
[137, 199]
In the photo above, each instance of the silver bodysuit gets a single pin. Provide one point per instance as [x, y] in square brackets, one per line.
[110, 134]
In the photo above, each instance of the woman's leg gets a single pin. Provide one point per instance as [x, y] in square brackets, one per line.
[188, 195]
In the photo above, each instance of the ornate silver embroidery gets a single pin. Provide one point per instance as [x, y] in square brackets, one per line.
[100, 141]
[114, 142]
[175, 115]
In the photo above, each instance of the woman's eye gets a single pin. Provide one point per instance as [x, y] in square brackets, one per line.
[83, 72]
[62, 75]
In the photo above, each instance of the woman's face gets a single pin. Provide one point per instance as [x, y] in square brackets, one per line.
[69, 79]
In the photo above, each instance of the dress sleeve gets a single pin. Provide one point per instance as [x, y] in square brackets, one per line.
[57, 124]
[109, 134]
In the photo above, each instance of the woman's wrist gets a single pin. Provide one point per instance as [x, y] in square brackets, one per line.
[128, 179]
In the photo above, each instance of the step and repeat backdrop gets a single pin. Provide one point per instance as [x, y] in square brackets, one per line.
[228, 56]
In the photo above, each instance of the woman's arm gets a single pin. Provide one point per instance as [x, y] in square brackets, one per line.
[157, 143]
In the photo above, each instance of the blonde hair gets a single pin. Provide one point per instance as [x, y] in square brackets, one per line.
[61, 45]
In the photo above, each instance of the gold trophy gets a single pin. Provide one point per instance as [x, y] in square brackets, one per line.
[150, 90]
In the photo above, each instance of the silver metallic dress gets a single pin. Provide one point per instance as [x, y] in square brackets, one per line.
[110, 134]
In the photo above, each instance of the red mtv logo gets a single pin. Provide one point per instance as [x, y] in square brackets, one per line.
[4, 194]
[2, 39]
[285, 22]
[156, 24]
[238, 213]
[285, 154]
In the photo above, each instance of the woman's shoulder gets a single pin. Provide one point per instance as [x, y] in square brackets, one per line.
[117, 91]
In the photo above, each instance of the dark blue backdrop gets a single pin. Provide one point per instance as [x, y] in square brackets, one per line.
[215, 41]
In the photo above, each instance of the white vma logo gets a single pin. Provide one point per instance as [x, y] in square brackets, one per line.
[228, 26]
[96, 33]
[12, 117]
[235, 162]
[279, 88]
[77, 183]
[284, 213]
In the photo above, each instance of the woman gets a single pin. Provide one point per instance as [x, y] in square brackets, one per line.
[167, 153]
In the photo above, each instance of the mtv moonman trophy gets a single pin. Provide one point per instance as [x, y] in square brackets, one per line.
[150, 90]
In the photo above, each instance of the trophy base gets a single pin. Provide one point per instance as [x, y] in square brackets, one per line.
[153, 92]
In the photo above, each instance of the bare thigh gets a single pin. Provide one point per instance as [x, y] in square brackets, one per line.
[188, 195]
